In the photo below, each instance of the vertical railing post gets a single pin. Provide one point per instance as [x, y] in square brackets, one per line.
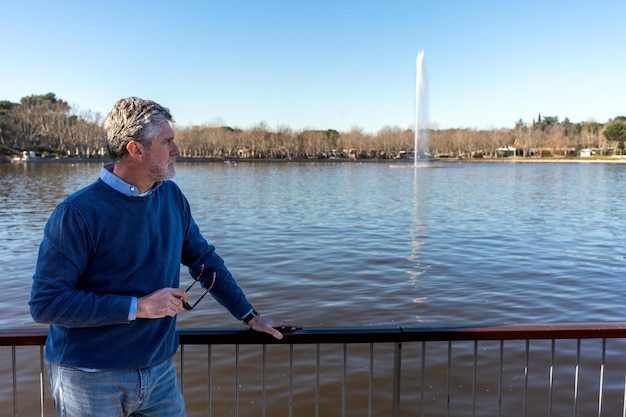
[423, 378]
[397, 366]
[14, 367]
[317, 379]
[210, 379]
[370, 390]
[344, 381]
[576, 377]
[264, 381]
[42, 368]
[500, 376]
[601, 389]
[474, 378]
[448, 378]
[291, 368]
[551, 387]
[526, 364]
[237, 380]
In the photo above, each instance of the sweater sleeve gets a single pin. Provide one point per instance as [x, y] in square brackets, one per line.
[216, 277]
[56, 296]
[206, 265]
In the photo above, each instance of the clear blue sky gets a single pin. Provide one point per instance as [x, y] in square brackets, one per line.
[323, 64]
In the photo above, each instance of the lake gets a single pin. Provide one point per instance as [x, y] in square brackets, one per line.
[362, 244]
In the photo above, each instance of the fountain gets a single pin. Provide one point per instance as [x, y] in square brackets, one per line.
[421, 151]
[420, 148]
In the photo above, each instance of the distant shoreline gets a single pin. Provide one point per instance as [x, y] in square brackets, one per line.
[517, 160]
[507, 160]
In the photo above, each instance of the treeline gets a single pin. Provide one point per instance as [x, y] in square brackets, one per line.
[52, 128]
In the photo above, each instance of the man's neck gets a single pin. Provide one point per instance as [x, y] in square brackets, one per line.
[133, 175]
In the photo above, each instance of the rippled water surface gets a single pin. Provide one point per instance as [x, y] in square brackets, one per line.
[365, 244]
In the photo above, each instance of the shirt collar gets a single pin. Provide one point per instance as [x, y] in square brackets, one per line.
[118, 184]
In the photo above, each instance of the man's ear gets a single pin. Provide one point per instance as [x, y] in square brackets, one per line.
[135, 150]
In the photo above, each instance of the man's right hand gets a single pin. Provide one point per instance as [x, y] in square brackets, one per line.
[161, 303]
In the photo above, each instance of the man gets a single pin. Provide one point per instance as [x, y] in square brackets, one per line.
[107, 276]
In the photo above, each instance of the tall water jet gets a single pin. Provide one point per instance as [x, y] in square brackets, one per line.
[421, 146]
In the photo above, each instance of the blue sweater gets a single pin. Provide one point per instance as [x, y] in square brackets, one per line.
[100, 249]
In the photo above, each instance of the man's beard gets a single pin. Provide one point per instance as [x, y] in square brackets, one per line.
[161, 171]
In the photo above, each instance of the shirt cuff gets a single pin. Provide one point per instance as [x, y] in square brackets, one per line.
[244, 316]
[132, 314]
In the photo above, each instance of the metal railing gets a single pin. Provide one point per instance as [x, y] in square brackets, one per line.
[519, 370]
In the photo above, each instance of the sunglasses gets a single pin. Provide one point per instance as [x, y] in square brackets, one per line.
[188, 306]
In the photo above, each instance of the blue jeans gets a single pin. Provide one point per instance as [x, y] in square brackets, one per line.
[152, 391]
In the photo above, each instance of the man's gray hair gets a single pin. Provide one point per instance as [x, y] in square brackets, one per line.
[133, 119]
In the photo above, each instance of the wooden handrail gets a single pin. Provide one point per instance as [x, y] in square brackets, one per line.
[614, 330]
[205, 336]
[23, 337]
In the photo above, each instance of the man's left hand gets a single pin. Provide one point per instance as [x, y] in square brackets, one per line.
[269, 325]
